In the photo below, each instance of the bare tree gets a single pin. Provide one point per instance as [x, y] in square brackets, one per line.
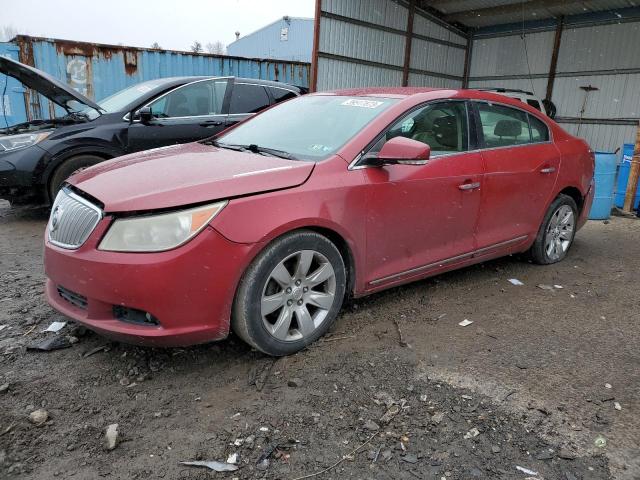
[7, 32]
[196, 47]
[156, 46]
[217, 48]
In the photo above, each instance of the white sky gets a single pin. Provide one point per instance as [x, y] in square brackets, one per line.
[174, 24]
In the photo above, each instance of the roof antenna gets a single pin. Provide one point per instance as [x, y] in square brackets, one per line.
[587, 90]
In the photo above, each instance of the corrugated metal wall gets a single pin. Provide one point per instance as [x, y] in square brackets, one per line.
[362, 43]
[288, 38]
[100, 70]
[600, 55]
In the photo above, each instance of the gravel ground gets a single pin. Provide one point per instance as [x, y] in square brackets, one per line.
[397, 390]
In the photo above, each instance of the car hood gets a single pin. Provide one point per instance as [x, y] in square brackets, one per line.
[43, 83]
[187, 174]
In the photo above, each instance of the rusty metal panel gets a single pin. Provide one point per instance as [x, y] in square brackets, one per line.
[334, 74]
[98, 70]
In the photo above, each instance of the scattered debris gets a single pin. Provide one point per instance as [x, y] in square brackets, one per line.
[423, 397]
[607, 385]
[4, 387]
[410, 458]
[545, 287]
[55, 327]
[212, 465]
[600, 441]
[526, 470]
[617, 406]
[559, 287]
[48, 344]
[466, 397]
[39, 417]
[345, 457]
[99, 348]
[232, 459]
[496, 449]
[111, 436]
[474, 432]
[371, 425]
[401, 340]
[391, 412]
[295, 382]
[465, 322]
[2, 327]
[515, 281]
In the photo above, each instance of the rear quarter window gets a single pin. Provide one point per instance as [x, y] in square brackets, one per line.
[539, 130]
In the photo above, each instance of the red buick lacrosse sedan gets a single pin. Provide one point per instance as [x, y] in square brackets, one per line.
[267, 227]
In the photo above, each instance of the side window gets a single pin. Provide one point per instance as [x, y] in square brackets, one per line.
[197, 99]
[539, 131]
[280, 94]
[441, 125]
[248, 98]
[503, 126]
[535, 104]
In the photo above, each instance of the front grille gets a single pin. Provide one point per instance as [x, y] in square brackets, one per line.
[73, 298]
[72, 220]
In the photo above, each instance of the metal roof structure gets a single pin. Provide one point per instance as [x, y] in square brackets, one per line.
[484, 13]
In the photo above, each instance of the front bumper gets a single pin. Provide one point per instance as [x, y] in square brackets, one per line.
[189, 290]
[19, 172]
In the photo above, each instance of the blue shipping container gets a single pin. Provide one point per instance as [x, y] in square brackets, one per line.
[98, 71]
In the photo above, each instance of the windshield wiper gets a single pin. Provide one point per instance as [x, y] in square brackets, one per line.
[255, 149]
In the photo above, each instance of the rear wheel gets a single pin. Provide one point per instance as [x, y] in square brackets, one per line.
[291, 294]
[557, 232]
[68, 168]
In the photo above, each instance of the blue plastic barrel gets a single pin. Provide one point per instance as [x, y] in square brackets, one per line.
[623, 177]
[605, 178]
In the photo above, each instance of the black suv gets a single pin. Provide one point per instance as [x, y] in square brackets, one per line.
[36, 157]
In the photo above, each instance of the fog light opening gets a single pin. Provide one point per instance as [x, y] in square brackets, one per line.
[133, 315]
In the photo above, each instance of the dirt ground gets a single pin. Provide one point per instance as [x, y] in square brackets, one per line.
[525, 385]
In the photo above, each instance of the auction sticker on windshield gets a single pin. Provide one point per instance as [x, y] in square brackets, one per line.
[356, 102]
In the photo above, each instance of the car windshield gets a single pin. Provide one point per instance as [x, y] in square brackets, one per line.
[311, 127]
[119, 100]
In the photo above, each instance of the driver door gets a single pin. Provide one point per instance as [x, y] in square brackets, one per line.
[423, 218]
[185, 114]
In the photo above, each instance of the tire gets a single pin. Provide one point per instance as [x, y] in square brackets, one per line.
[273, 295]
[556, 233]
[68, 168]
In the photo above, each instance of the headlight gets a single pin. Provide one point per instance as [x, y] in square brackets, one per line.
[155, 233]
[14, 142]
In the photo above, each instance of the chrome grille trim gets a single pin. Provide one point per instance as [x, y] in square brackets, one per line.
[72, 220]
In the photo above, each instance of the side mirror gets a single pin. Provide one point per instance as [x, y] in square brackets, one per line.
[145, 115]
[401, 151]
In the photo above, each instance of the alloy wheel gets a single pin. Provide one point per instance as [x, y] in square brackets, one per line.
[298, 295]
[559, 234]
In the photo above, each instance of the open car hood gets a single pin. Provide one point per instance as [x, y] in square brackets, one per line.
[188, 174]
[43, 83]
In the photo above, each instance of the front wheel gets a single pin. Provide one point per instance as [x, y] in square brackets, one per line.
[291, 294]
[557, 232]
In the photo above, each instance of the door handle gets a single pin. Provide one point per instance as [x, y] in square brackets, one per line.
[548, 170]
[211, 123]
[469, 186]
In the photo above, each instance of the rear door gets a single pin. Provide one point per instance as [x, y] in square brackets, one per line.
[185, 114]
[246, 99]
[521, 168]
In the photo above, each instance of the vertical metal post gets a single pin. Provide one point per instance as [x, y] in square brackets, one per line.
[467, 61]
[407, 44]
[634, 174]
[554, 58]
[313, 84]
